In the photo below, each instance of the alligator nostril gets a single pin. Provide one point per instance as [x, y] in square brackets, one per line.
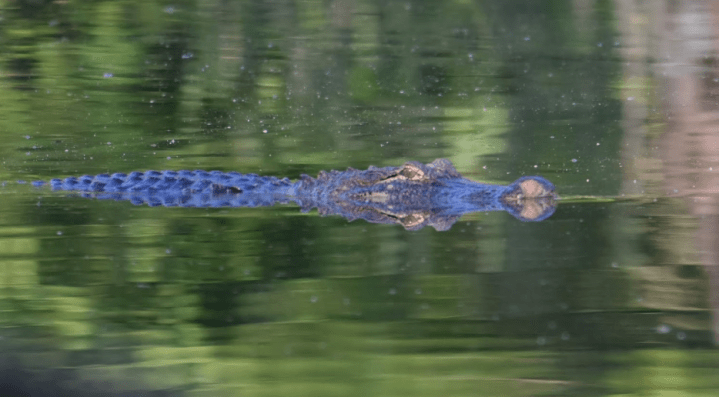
[532, 189]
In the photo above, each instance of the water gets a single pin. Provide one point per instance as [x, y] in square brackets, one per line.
[615, 294]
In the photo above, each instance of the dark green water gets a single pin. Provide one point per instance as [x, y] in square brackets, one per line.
[603, 298]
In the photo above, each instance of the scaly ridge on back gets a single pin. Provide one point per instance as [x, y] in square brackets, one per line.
[180, 188]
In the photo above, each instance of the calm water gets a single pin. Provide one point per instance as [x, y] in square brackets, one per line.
[615, 294]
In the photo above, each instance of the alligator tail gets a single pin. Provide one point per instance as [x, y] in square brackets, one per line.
[180, 188]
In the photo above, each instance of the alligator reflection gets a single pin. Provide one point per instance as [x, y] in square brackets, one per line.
[413, 195]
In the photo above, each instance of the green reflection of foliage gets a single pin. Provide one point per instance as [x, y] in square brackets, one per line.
[271, 301]
[363, 84]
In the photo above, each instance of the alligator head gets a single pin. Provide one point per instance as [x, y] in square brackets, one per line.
[416, 195]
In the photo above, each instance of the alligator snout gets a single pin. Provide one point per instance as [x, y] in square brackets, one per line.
[531, 198]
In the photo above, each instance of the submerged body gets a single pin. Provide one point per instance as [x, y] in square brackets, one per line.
[414, 195]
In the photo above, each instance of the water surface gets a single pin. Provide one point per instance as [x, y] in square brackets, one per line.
[615, 294]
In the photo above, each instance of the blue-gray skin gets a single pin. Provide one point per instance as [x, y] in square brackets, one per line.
[414, 195]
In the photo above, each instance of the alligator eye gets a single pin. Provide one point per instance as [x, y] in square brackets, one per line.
[411, 172]
[412, 220]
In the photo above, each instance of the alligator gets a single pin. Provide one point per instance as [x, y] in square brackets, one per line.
[414, 195]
